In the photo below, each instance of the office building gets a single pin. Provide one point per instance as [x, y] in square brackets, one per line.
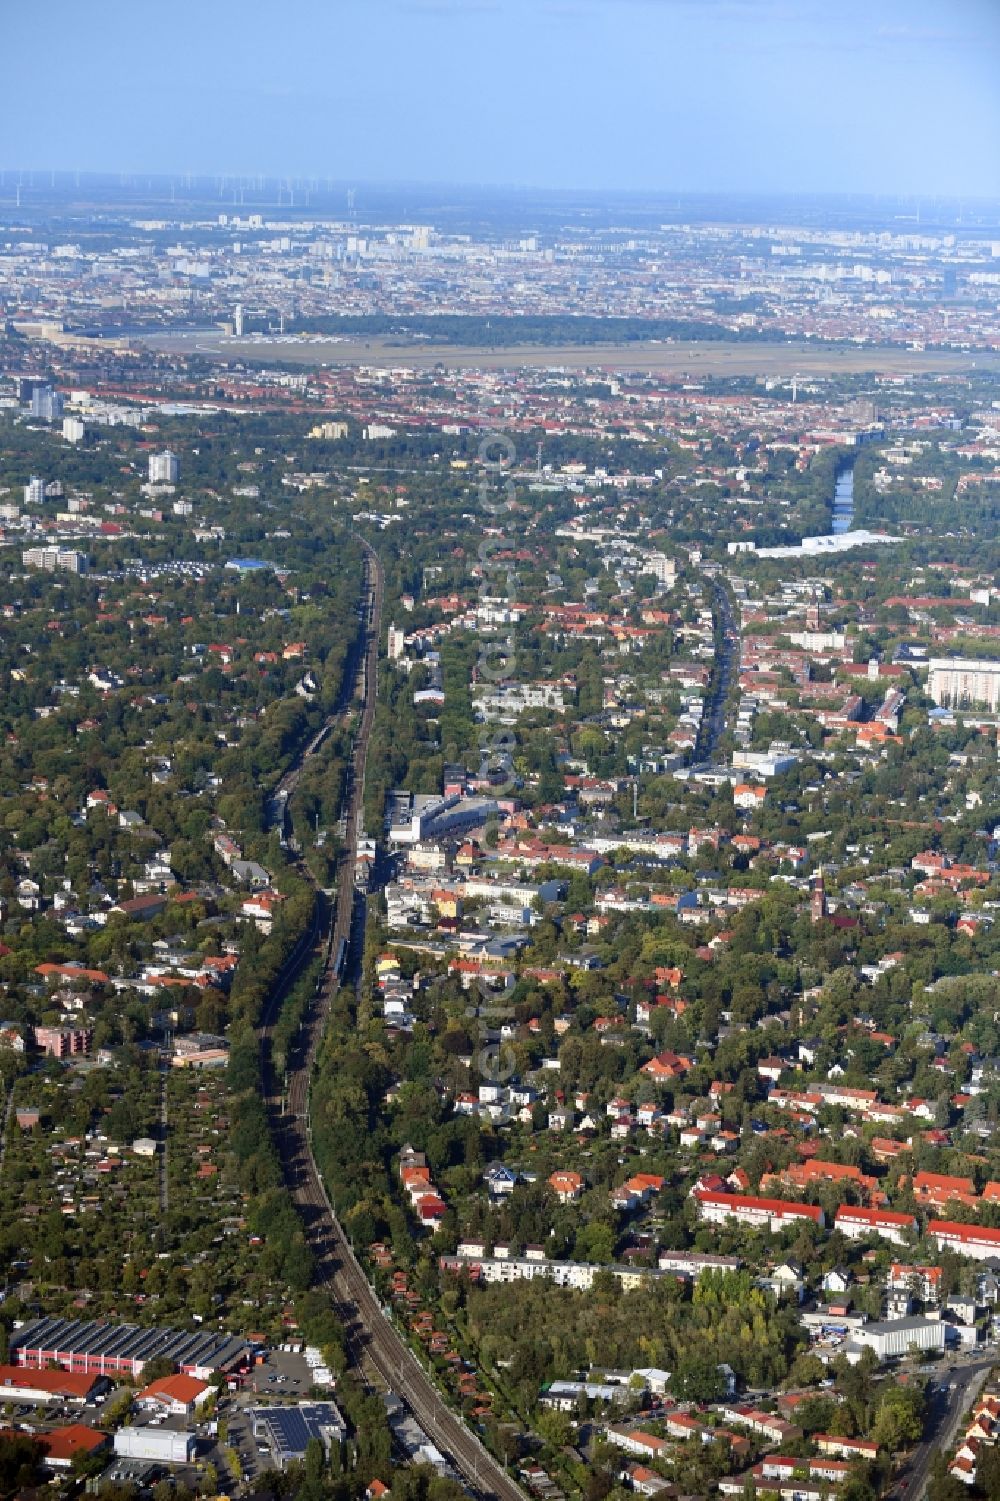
[46, 403]
[765, 764]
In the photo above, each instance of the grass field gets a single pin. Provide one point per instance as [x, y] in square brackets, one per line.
[693, 359]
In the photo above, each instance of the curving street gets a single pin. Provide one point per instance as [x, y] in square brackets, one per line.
[957, 1387]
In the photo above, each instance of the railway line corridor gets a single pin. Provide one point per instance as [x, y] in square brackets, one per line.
[379, 1353]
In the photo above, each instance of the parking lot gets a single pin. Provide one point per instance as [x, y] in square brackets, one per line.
[282, 1375]
[52, 1414]
[241, 1440]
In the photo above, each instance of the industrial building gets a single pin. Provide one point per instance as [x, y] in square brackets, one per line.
[412, 1439]
[896, 1337]
[418, 817]
[123, 1349]
[288, 1430]
[20, 1385]
[169, 1446]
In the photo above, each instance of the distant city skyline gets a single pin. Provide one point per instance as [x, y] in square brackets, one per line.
[769, 96]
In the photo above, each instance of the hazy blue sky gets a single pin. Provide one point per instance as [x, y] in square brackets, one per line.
[838, 95]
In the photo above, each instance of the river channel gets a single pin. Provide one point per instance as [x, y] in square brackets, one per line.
[843, 501]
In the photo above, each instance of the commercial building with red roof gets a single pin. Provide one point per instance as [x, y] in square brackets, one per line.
[62, 1445]
[179, 1395]
[20, 1385]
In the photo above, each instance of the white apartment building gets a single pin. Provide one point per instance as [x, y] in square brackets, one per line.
[164, 468]
[974, 1241]
[760, 1214]
[576, 1274]
[964, 683]
[856, 1223]
[396, 643]
[53, 558]
[507, 701]
[663, 569]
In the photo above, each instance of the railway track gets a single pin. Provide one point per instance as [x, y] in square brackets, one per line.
[382, 1358]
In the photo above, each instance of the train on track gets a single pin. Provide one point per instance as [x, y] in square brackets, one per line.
[340, 959]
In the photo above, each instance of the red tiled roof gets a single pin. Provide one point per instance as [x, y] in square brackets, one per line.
[735, 1202]
[971, 1233]
[68, 1383]
[875, 1217]
[75, 1438]
[176, 1388]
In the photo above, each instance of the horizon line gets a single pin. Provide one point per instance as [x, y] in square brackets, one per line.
[322, 183]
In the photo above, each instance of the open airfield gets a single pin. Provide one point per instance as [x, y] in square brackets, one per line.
[711, 358]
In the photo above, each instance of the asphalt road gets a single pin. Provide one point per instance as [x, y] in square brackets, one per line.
[713, 723]
[946, 1410]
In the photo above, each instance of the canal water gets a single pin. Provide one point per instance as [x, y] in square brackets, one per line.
[843, 501]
